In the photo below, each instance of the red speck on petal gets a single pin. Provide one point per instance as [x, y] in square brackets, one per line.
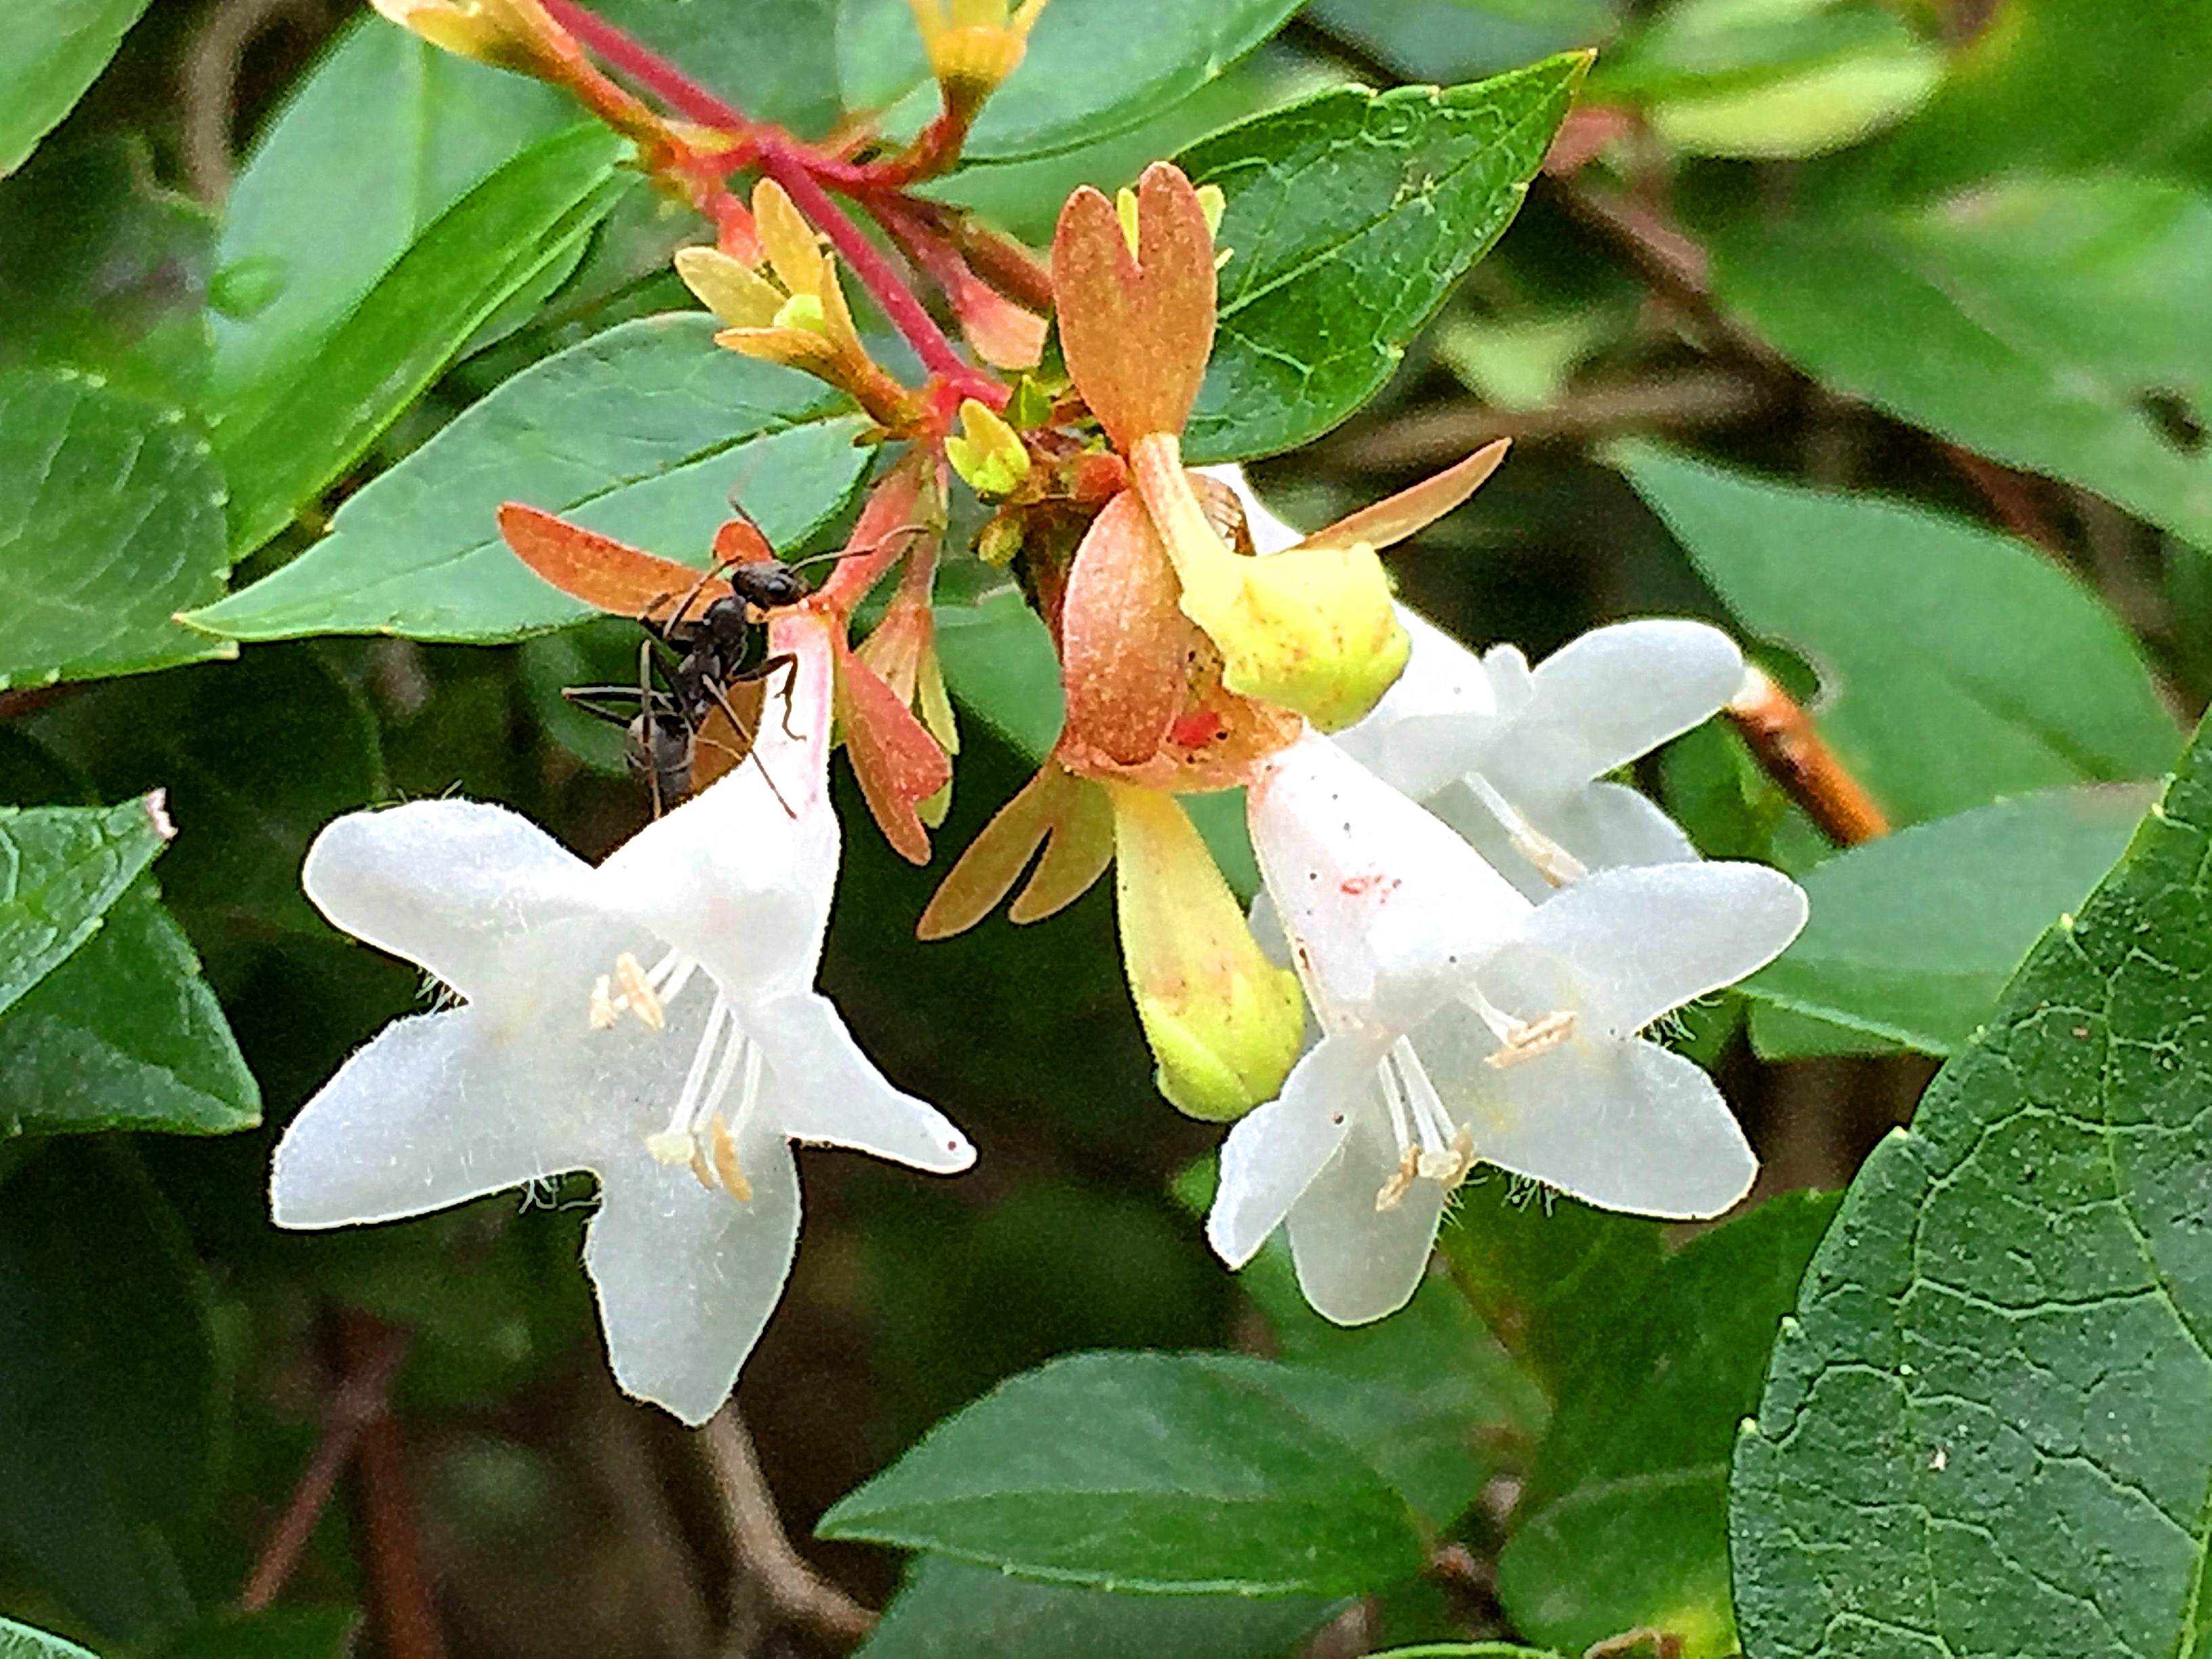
[1361, 886]
[1194, 730]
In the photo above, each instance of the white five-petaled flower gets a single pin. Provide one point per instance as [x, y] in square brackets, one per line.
[1460, 1023]
[1516, 758]
[653, 1021]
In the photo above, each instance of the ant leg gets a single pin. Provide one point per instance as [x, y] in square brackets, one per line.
[736, 723]
[788, 664]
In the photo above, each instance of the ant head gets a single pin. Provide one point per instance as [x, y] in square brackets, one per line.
[766, 584]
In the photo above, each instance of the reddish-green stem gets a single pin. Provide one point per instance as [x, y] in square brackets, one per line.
[647, 67]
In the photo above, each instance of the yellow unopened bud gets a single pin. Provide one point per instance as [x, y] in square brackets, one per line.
[1226, 1024]
[802, 311]
[988, 454]
[513, 33]
[976, 45]
[1313, 628]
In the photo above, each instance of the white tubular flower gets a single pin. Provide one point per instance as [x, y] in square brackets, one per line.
[652, 1021]
[1462, 1023]
[1515, 758]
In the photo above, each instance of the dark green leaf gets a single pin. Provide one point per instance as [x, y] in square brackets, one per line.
[111, 521]
[776, 60]
[1094, 68]
[102, 267]
[1450, 40]
[1957, 665]
[2060, 84]
[1150, 1472]
[53, 50]
[1988, 1430]
[1551, 1276]
[950, 1610]
[384, 134]
[258, 755]
[1624, 1523]
[284, 439]
[124, 1034]
[1349, 217]
[108, 1415]
[21, 1642]
[61, 867]
[999, 662]
[2056, 325]
[279, 1633]
[1913, 936]
[641, 433]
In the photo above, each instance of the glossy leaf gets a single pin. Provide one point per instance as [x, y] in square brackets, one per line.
[999, 661]
[21, 1642]
[108, 1420]
[1956, 664]
[385, 133]
[125, 1034]
[2053, 324]
[1988, 1430]
[951, 1609]
[1349, 217]
[111, 521]
[61, 867]
[1624, 1521]
[1153, 1472]
[1447, 41]
[282, 439]
[656, 429]
[53, 50]
[1094, 68]
[1912, 937]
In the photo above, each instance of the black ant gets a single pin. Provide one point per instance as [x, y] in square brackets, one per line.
[706, 664]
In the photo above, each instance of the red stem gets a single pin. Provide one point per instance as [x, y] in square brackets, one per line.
[647, 67]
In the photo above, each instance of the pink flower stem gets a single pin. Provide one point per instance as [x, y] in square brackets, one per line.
[647, 67]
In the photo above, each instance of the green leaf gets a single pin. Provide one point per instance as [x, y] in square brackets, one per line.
[641, 433]
[1094, 68]
[1466, 1650]
[111, 521]
[103, 268]
[1550, 1275]
[108, 1388]
[998, 660]
[61, 867]
[1956, 664]
[54, 50]
[125, 1034]
[1349, 217]
[1988, 1430]
[1458, 39]
[282, 439]
[949, 1609]
[2060, 84]
[385, 133]
[1912, 937]
[2053, 324]
[1624, 1522]
[21, 1642]
[776, 60]
[278, 1633]
[1161, 1472]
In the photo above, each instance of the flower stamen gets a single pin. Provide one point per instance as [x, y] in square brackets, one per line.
[638, 995]
[1554, 862]
[1431, 1147]
[1526, 1039]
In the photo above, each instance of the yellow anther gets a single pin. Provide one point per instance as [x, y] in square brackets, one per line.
[1450, 1164]
[1393, 1190]
[726, 1161]
[605, 1013]
[1530, 1038]
[638, 994]
[671, 1147]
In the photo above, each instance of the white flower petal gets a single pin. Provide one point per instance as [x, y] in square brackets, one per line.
[444, 882]
[1624, 1126]
[1273, 1153]
[687, 1277]
[731, 878]
[1616, 693]
[1383, 898]
[1643, 941]
[1357, 1263]
[823, 1089]
[1430, 725]
[422, 1117]
[1610, 826]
